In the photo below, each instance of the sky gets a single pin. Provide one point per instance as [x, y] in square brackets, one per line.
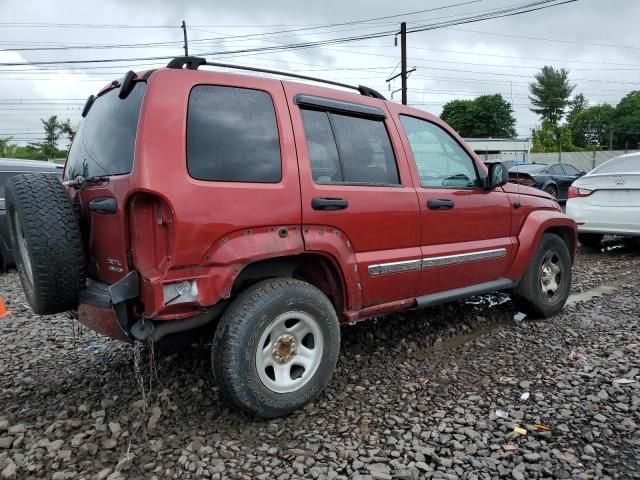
[595, 40]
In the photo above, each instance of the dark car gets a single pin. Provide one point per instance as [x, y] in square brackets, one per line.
[8, 168]
[554, 178]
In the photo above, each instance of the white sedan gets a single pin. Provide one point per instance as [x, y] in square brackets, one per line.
[607, 200]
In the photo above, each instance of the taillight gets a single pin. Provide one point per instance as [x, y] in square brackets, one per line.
[576, 192]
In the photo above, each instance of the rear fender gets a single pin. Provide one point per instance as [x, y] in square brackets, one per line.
[221, 263]
[537, 224]
[335, 244]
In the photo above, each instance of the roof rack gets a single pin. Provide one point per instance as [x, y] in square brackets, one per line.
[192, 63]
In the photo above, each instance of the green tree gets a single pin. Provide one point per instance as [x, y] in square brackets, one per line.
[576, 105]
[484, 116]
[4, 147]
[69, 130]
[550, 93]
[52, 132]
[458, 114]
[592, 125]
[549, 136]
[626, 124]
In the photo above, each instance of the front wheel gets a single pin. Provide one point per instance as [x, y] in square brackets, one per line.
[544, 288]
[276, 347]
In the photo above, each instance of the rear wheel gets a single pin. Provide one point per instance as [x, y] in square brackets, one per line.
[591, 240]
[276, 347]
[544, 289]
[47, 245]
[551, 190]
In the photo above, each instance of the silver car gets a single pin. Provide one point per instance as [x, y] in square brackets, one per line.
[607, 200]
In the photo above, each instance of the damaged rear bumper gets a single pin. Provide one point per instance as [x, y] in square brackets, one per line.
[104, 308]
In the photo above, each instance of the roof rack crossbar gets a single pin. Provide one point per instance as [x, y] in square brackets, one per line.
[192, 63]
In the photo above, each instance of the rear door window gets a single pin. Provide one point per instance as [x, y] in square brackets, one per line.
[105, 142]
[349, 149]
[232, 135]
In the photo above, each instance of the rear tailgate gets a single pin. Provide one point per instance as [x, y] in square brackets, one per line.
[103, 155]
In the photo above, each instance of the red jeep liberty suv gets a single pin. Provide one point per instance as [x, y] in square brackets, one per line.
[274, 211]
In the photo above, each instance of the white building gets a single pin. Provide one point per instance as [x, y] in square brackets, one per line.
[501, 149]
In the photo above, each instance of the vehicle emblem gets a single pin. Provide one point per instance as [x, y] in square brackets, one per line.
[114, 265]
[619, 181]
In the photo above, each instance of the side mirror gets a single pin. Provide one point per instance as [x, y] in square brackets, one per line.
[582, 173]
[498, 175]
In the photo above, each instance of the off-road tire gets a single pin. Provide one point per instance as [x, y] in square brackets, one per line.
[52, 242]
[590, 240]
[528, 296]
[234, 349]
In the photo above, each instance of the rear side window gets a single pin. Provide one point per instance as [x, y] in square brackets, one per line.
[232, 135]
[348, 149]
[106, 139]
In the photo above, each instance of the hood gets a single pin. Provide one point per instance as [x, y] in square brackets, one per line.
[523, 190]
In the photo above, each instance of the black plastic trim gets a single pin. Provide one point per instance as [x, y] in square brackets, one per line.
[192, 63]
[338, 106]
[87, 105]
[126, 288]
[95, 294]
[104, 205]
[460, 293]
[127, 85]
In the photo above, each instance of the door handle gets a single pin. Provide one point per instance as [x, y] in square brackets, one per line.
[440, 204]
[327, 203]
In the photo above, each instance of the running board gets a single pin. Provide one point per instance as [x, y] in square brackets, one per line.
[460, 293]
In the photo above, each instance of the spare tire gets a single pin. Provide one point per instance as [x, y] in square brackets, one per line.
[47, 243]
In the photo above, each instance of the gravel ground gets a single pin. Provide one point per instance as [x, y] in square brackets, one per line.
[430, 394]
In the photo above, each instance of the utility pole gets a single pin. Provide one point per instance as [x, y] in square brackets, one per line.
[186, 43]
[404, 73]
[403, 61]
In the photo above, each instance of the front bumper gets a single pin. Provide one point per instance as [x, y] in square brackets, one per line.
[104, 308]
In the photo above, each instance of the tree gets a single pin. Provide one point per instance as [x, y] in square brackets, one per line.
[549, 136]
[4, 147]
[458, 114]
[69, 130]
[550, 93]
[52, 133]
[592, 125]
[627, 121]
[576, 105]
[484, 116]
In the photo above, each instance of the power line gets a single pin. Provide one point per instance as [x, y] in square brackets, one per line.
[608, 45]
[510, 11]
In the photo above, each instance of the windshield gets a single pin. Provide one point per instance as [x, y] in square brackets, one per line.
[528, 168]
[620, 165]
[105, 142]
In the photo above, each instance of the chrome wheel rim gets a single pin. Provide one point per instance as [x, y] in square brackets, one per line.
[289, 352]
[552, 192]
[551, 276]
[23, 249]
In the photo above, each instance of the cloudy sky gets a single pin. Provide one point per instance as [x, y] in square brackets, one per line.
[594, 39]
